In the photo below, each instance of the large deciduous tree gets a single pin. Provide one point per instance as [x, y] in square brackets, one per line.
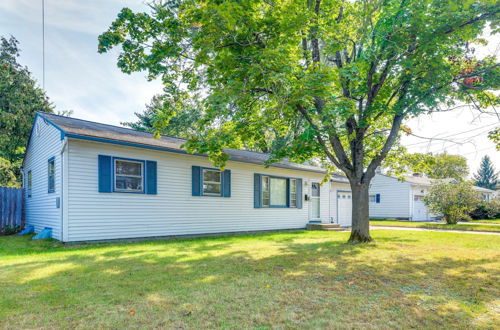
[20, 99]
[341, 75]
[486, 175]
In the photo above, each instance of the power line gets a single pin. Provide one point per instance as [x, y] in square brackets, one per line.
[440, 139]
[43, 44]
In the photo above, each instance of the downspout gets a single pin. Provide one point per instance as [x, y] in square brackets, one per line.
[61, 203]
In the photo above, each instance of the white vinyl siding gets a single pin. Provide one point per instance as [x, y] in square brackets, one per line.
[394, 198]
[173, 211]
[41, 208]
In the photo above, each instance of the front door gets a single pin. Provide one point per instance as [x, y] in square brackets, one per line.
[315, 201]
[344, 208]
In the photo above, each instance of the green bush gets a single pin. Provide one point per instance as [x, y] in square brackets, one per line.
[453, 200]
[487, 210]
[11, 230]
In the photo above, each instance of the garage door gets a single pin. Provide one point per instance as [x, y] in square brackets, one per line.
[344, 208]
[420, 212]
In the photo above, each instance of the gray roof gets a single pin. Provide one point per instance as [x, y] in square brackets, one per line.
[420, 180]
[339, 178]
[481, 189]
[424, 181]
[79, 128]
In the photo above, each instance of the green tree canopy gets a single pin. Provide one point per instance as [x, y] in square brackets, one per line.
[185, 123]
[181, 125]
[341, 75]
[434, 166]
[20, 99]
[486, 175]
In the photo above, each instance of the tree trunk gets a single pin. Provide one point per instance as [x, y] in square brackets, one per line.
[360, 232]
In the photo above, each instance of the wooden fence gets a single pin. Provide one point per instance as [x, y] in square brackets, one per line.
[11, 208]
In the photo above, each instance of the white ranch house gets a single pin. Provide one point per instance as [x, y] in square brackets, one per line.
[393, 198]
[91, 181]
[88, 181]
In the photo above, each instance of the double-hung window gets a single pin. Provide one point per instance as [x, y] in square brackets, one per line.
[51, 169]
[278, 191]
[274, 192]
[129, 175]
[372, 198]
[212, 183]
[30, 183]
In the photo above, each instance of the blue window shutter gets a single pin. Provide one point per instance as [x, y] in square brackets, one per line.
[196, 180]
[257, 191]
[151, 177]
[226, 183]
[288, 192]
[377, 198]
[105, 174]
[299, 193]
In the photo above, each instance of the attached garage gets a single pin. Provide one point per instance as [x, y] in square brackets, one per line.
[340, 201]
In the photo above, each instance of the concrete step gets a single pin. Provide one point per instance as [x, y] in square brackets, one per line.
[322, 226]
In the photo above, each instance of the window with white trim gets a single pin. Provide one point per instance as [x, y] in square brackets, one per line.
[275, 191]
[30, 183]
[129, 175]
[212, 182]
[51, 169]
[372, 198]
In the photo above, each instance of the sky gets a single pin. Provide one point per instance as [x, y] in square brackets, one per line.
[77, 78]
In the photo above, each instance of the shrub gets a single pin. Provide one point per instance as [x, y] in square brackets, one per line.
[454, 200]
[11, 230]
[487, 210]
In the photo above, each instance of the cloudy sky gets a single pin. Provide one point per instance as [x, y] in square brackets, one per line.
[78, 78]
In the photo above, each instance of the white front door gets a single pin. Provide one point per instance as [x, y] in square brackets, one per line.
[420, 212]
[344, 208]
[315, 201]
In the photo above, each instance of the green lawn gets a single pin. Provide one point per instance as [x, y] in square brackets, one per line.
[460, 226]
[494, 221]
[286, 280]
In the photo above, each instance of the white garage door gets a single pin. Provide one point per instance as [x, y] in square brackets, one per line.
[420, 212]
[344, 208]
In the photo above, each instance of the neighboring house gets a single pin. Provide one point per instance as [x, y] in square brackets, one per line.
[392, 198]
[486, 194]
[91, 181]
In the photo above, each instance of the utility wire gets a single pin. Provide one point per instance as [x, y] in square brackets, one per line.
[440, 138]
[43, 44]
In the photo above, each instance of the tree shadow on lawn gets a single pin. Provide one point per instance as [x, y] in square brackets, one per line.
[281, 281]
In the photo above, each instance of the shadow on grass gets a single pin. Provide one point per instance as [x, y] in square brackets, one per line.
[272, 279]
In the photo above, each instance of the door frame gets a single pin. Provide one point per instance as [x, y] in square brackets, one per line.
[311, 201]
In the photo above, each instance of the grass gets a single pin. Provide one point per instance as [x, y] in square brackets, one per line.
[493, 221]
[275, 280]
[460, 226]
